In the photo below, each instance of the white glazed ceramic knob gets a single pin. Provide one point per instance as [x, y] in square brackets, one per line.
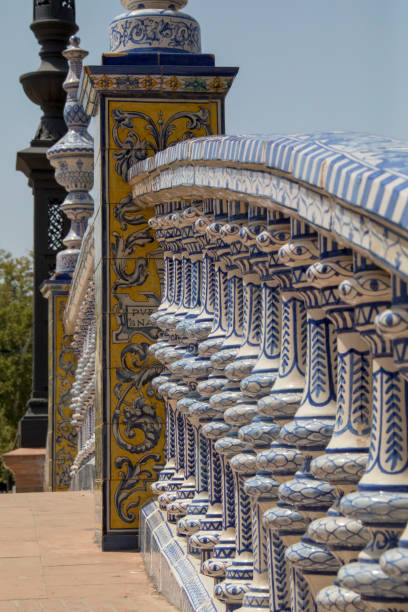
[154, 25]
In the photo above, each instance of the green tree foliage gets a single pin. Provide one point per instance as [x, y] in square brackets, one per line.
[16, 292]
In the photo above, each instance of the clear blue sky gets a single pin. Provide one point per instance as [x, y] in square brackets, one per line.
[305, 65]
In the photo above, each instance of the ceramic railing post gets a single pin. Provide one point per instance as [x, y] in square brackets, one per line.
[197, 411]
[381, 499]
[260, 373]
[315, 419]
[312, 425]
[283, 523]
[174, 389]
[224, 549]
[193, 244]
[203, 526]
[169, 236]
[262, 488]
[211, 525]
[164, 232]
[393, 324]
[345, 457]
[282, 459]
[193, 495]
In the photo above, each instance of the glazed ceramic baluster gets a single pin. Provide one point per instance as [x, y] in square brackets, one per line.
[240, 572]
[260, 434]
[167, 233]
[311, 554]
[164, 233]
[311, 431]
[197, 506]
[167, 321]
[194, 244]
[263, 374]
[201, 368]
[171, 389]
[283, 521]
[262, 489]
[203, 323]
[314, 419]
[174, 388]
[381, 499]
[194, 368]
[154, 223]
[200, 412]
[177, 507]
[257, 435]
[210, 528]
[393, 324]
[224, 549]
[346, 454]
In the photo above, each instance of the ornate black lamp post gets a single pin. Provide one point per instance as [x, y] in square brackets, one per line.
[54, 23]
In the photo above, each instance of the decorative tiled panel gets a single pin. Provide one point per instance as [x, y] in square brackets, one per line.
[128, 270]
[62, 437]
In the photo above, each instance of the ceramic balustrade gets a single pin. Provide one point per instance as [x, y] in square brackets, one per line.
[270, 348]
[312, 420]
[83, 389]
[393, 324]
[172, 323]
[195, 367]
[221, 546]
[261, 489]
[210, 525]
[380, 501]
[258, 382]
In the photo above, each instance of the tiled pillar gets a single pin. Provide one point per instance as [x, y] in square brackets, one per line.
[62, 436]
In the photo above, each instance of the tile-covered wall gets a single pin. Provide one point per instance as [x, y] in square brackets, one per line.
[129, 424]
[62, 436]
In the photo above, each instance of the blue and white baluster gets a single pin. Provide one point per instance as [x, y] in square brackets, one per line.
[191, 301]
[345, 457]
[227, 447]
[269, 564]
[314, 421]
[199, 412]
[174, 389]
[202, 368]
[346, 454]
[239, 574]
[381, 499]
[393, 324]
[166, 234]
[286, 521]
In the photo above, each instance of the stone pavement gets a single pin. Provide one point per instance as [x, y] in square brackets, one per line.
[49, 561]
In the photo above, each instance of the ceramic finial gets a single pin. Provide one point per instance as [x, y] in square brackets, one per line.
[72, 158]
[154, 25]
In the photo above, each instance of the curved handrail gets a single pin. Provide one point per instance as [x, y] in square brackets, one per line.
[352, 185]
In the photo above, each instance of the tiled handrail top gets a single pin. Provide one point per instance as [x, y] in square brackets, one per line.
[367, 171]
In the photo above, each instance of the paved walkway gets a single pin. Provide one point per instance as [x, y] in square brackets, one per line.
[49, 562]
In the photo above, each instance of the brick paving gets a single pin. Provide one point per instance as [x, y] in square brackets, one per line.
[49, 561]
